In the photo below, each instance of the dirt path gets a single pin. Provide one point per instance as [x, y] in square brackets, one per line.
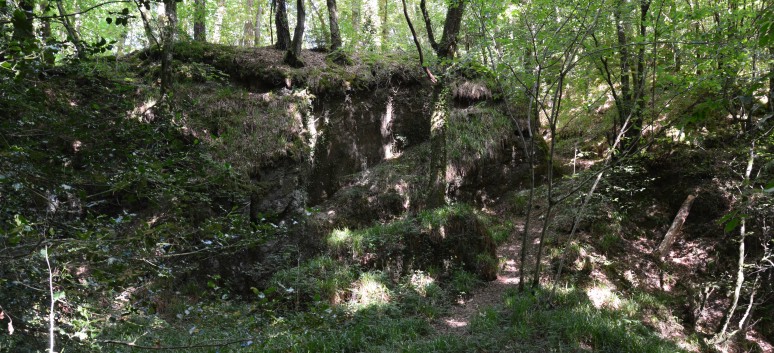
[491, 294]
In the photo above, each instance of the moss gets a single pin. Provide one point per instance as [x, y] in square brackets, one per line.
[265, 68]
[447, 238]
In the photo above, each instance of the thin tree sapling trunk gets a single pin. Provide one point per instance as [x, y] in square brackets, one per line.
[721, 336]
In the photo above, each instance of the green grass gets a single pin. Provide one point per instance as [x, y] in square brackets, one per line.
[574, 323]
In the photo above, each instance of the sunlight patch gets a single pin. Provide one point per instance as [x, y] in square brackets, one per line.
[339, 237]
[603, 297]
[454, 323]
[420, 282]
[369, 291]
[143, 112]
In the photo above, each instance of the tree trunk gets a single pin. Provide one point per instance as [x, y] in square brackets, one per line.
[638, 101]
[624, 105]
[170, 27]
[771, 82]
[72, 33]
[45, 34]
[385, 16]
[216, 35]
[121, 44]
[283, 28]
[447, 48]
[357, 10]
[333, 18]
[721, 335]
[248, 30]
[293, 55]
[428, 25]
[258, 23]
[200, 18]
[436, 192]
[146, 24]
[325, 29]
[677, 224]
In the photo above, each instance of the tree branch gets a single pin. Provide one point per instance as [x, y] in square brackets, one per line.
[419, 46]
[428, 25]
[74, 13]
[161, 348]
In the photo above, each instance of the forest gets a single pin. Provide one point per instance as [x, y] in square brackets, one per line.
[386, 176]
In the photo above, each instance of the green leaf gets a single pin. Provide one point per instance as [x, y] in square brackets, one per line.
[732, 224]
[59, 295]
[769, 188]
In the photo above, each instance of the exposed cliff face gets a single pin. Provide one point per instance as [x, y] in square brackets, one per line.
[353, 143]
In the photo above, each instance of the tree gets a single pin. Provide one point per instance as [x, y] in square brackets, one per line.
[248, 31]
[281, 23]
[258, 22]
[200, 18]
[437, 184]
[629, 90]
[72, 32]
[447, 48]
[170, 27]
[333, 18]
[293, 55]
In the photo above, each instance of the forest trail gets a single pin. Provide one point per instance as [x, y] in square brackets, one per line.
[457, 320]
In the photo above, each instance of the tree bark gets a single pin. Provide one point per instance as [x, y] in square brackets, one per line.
[293, 55]
[428, 25]
[333, 19]
[677, 224]
[45, 34]
[385, 17]
[145, 23]
[281, 23]
[419, 46]
[219, 15]
[200, 17]
[248, 30]
[258, 23]
[771, 82]
[357, 8]
[170, 27]
[447, 48]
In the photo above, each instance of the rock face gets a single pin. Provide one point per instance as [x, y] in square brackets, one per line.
[353, 144]
[363, 129]
[279, 190]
